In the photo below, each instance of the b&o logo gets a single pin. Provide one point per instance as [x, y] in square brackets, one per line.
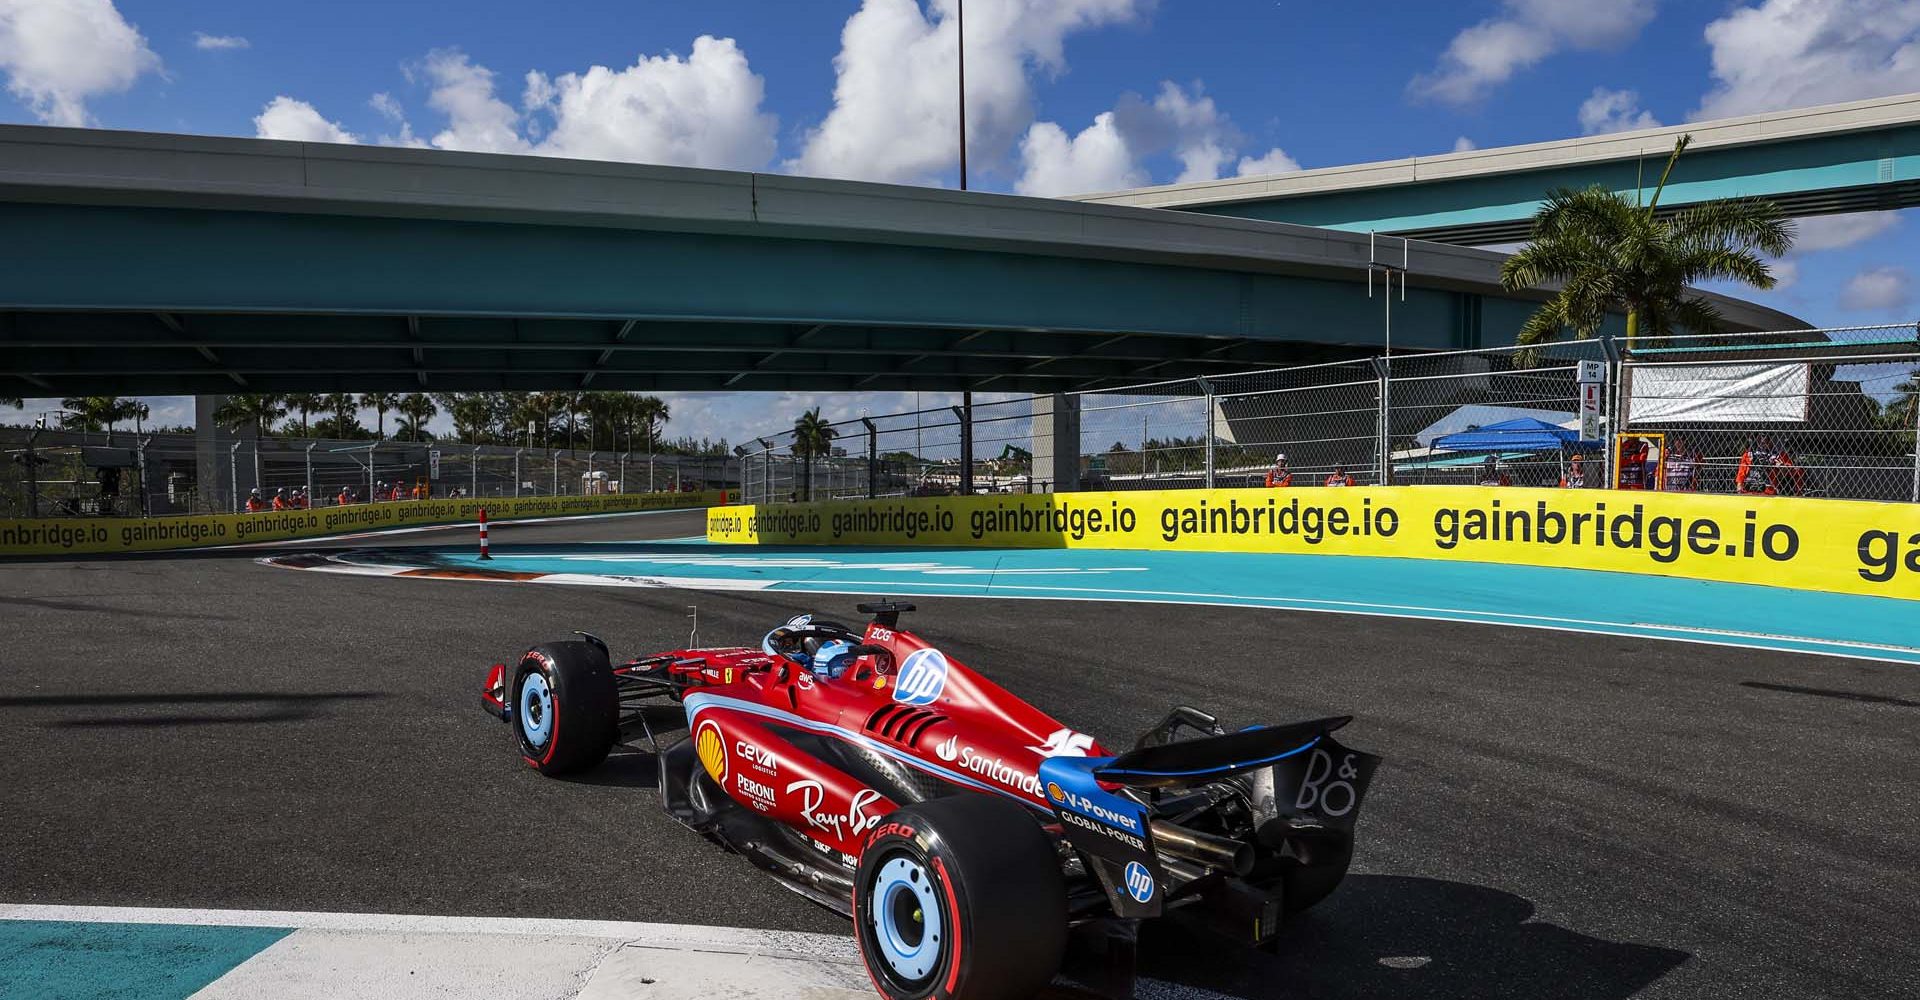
[922, 678]
[1139, 882]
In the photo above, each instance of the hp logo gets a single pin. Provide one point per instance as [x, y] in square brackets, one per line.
[922, 678]
[1139, 882]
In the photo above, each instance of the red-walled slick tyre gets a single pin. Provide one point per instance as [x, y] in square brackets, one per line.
[960, 898]
[565, 708]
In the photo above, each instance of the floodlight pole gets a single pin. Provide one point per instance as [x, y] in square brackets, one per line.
[960, 44]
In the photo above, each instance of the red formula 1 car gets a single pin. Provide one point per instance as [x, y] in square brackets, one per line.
[963, 830]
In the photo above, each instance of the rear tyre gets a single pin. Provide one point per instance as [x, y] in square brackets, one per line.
[566, 709]
[960, 897]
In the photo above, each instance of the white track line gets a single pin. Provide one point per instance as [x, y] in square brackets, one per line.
[817, 946]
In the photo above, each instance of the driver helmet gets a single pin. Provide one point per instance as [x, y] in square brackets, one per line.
[832, 658]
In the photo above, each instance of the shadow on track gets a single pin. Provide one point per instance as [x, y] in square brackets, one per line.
[252, 708]
[1411, 939]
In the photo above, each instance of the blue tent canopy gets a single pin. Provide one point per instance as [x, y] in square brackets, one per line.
[1523, 434]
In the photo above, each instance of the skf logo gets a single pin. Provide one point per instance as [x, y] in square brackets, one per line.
[1139, 882]
[1065, 743]
[712, 748]
[949, 749]
[1054, 792]
[922, 678]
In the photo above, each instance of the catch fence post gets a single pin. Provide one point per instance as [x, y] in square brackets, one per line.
[475, 491]
[1383, 419]
[233, 476]
[308, 485]
[873, 458]
[1616, 406]
[516, 472]
[1915, 402]
[1206, 388]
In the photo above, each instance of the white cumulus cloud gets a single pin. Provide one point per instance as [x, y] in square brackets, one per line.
[1182, 122]
[1614, 111]
[296, 120]
[477, 121]
[701, 111]
[1832, 232]
[1877, 289]
[1464, 145]
[57, 54]
[1097, 159]
[1488, 54]
[206, 42]
[1782, 54]
[895, 113]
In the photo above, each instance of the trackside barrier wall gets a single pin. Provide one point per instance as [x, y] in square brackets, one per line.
[1842, 546]
[98, 535]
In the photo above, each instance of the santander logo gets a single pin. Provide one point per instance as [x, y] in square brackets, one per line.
[948, 750]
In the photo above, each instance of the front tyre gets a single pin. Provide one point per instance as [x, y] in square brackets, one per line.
[960, 898]
[566, 708]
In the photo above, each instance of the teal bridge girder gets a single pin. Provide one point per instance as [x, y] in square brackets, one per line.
[133, 263]
[1853, 157]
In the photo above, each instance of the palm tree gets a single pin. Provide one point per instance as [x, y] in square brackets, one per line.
[93, 413]
[653, 413]
[812, 435]
[1610, 254]
[418, 407]
[136, 411]
[17, 402]
[380, 402]
[341, 405]
[304, 403]
[257, 411]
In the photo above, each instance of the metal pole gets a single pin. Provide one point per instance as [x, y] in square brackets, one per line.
[960, 44]
[475, 491]
[1205, 387]
[556, 471]
[623, 472]
[966, 444]
[1916, 443]
[370, 464]
[516, 472]
[33, 474]
[233, 476]
[146, 494]
[309, 484]
[873, 458]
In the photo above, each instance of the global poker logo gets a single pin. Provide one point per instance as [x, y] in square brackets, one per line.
[1139, 882]
[922, 677]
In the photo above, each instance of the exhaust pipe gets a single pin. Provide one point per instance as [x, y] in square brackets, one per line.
[1202, 848]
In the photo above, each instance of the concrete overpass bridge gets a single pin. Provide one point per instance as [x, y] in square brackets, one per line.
[135, 263]
[1852, 157]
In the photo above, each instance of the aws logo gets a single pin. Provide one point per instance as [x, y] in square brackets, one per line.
[711, 746]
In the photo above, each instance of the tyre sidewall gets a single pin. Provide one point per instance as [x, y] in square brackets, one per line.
[905, 838]
[584, 716]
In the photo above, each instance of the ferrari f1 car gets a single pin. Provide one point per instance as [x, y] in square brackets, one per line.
[963, 830]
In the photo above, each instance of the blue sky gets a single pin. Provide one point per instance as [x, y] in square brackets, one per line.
[1066, 95]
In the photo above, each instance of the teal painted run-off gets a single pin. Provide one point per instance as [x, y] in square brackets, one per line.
[1881, 166]
[60, 960]
[1624, 604]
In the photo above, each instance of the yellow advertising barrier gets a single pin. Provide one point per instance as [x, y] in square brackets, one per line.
[1832, 545]
[96, 535]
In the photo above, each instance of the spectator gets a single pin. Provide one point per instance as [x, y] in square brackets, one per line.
[1575, 477]
[1767, 470]
[254, 502]
[345, 497]
[280, 499]
[1633, 464]
[1339, 477]
[399, 491]
[1492, 473]
[1279, 476]
[1683, 468]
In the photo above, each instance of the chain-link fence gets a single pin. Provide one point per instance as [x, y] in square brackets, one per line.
[56, 473]
[1823, 413]
[1830, 413]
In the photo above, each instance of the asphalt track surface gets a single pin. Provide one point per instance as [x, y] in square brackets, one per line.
[1559, 814]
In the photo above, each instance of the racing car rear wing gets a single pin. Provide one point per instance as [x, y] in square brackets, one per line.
[1187, 761]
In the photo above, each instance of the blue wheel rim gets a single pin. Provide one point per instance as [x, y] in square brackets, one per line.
[902, 892]
[536, 709]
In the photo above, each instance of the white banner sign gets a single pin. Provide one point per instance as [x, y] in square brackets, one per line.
[1719, 394]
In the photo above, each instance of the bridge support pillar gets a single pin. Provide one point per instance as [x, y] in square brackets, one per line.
[210, 460]
[1056, 443]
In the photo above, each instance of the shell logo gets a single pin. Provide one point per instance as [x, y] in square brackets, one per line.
[1054, 792]
[711, 746]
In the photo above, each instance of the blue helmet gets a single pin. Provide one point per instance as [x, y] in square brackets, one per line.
[832, 658]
